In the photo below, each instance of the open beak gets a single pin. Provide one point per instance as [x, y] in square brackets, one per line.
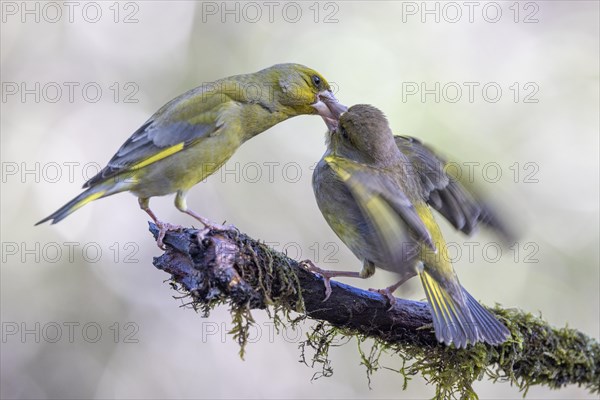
[329, 109]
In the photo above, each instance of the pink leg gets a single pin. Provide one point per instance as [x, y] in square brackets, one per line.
[389, 291]
[163, 227]
[327, 275]
[181, 205]
[208, 223]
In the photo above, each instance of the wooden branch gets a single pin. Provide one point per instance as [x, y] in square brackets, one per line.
[229, 266]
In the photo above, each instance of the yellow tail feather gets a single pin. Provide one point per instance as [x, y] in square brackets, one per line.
[458, 318]
[84, 198]
[451, 322]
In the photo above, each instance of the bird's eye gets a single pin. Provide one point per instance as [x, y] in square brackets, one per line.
[316, 80]
[343, 132]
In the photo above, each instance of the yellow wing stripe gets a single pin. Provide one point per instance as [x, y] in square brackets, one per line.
[386, 220]
[342, 173]
[159, 156]
[425, 214]
[88, 199]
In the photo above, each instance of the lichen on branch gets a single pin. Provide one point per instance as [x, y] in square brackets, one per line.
[228, 267]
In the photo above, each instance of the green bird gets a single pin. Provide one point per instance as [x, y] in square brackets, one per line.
[375, 191]
[193, 135]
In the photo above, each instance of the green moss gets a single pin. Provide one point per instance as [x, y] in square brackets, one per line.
[536, 354]
[277, 288]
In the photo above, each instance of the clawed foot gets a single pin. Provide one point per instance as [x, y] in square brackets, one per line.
[211, 226]
[163, 228]
[388, 293]
[311, 267]
[217, 227]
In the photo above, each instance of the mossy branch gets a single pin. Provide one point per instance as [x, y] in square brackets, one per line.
[229, 267]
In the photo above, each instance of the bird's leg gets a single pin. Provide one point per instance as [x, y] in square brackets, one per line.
[181, 205]
[327, 275]
[163, 227]
[388, 292]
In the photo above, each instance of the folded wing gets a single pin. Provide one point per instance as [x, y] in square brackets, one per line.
[399, 228]
[167, 132]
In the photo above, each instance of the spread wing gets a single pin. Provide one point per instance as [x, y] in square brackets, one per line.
[386, 207]
[454, 199]
[176, 126]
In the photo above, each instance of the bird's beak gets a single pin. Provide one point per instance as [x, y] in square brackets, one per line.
[329, 108]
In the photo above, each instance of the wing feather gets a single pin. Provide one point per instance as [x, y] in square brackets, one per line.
[169, 131]
[455, 200]
[386, 207]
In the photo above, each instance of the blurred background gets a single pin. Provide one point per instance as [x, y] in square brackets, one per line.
[509, 90]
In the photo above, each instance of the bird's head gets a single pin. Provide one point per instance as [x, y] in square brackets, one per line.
[302, 90]
[363, 135]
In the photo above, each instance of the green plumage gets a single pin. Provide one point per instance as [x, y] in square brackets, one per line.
[193, 135]
[373, 189]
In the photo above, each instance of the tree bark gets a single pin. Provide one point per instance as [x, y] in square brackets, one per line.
[227, 266]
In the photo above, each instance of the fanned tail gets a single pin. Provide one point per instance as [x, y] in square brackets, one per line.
[459, 318]
[490, 329]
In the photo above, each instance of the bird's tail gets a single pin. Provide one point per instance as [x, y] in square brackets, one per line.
[88, 196]
[459, 318]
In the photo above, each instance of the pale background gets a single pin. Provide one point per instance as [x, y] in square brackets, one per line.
[369, 53]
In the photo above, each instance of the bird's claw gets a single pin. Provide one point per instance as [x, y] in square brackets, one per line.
[211, 226]
[163, 228]
[388, 294]
[218, 227]
[309, 266]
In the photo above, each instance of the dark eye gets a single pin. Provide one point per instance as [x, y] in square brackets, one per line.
[316, 80]
[343, 132]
